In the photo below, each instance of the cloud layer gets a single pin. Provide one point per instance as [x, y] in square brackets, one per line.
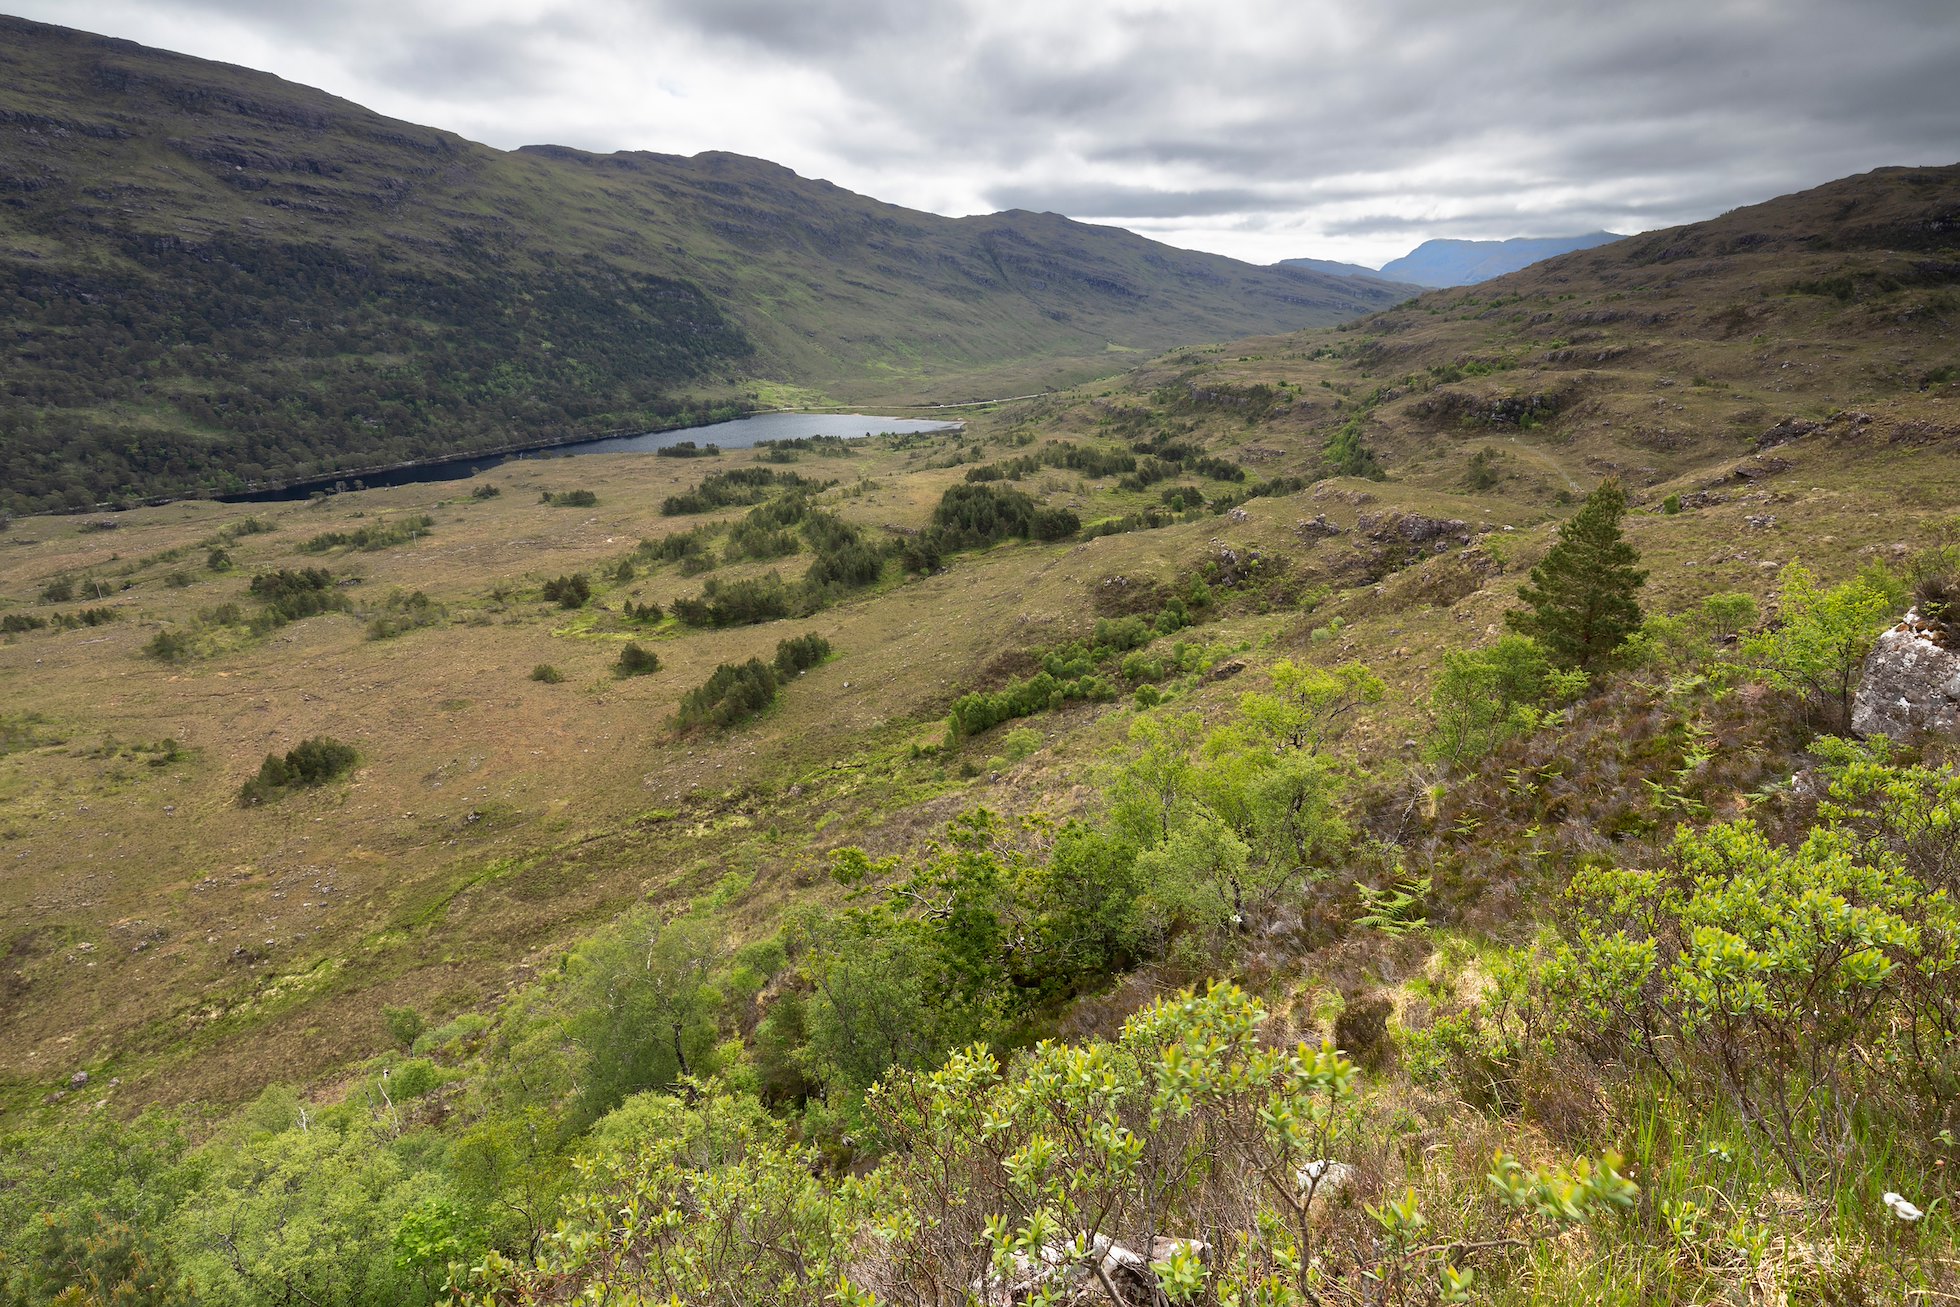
[1263, 129]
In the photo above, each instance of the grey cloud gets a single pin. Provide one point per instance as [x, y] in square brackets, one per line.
[1117, 201]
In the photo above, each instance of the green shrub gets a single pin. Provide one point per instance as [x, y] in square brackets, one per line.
[311, 763]
[58, 591]
[290, 594]
[567, 591]
[379, 535]
[736, 603]
[799, 652]
[636, 661]
[734, 692]
[403, 613]
[485, 491]
[547, 674]
[569, 498]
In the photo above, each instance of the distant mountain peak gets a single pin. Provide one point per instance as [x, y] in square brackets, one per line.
[1466, 262]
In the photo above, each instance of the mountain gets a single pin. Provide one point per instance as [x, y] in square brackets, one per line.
[1462, 263]
[213, 276]
[1332, 267]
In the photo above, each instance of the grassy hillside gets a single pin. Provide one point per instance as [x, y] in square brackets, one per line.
[213, 277]
[494, 946]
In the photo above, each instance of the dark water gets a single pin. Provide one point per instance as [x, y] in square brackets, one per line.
[739, 434]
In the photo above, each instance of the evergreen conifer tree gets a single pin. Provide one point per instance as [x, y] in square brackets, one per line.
[1582, 595]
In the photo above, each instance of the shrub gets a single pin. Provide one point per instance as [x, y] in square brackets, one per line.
[569, 499]
[404, 613]
[313, 762]
[378, 535]
[546, 674]
[737, 603]
[799, 652]
[736, 486]
[485, 491]
[293, 593]
[15, 622]
[169, 646]
[568, 591]
[1819, 646]
[734, 692]
[636, 661]
[58, 591]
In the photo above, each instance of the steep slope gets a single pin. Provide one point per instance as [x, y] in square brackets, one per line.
[1464, 263]
[212, 275]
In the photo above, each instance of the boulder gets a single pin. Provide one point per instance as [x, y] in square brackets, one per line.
[1911, 685]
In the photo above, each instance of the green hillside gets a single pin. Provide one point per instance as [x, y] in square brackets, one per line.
[215, 277]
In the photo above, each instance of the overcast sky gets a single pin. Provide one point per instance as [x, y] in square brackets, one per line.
[1263, 129]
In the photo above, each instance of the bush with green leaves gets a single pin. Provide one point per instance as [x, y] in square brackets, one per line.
[636, 660]
[736, 603]
[1032, 1179]
[546, 674]
[1483, 697]
[569, 498]
[732, 694]
[311, 763]
[800, 652]
[290, 594]
[378, 535]
[405, 612]
[1813, 988]
[1818, 646]
[567, 591]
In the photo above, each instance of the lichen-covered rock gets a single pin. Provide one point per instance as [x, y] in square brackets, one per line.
[1911, 686]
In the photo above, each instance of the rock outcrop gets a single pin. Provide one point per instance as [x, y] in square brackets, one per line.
[1911, 686]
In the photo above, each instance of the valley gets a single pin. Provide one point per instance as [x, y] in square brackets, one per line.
[1137, 841]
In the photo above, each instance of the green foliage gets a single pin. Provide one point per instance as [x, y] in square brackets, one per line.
[403, 613]
[572, 591]
[1346, 456]
[646, 1015]
[405, 1025]
[291, 594]
[1818, 647]
[380, 535]
[1487, 469]
[973, 515]
[1483, 697]
[733, 693]
[1810, 986]
[1581, 598]
[485, 491]
[634, 660]
[569, 498]
[736, 603]
[736, 486]
[311, 763]
[547, 674]
[800, 652]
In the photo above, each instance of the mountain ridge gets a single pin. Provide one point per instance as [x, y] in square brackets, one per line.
[222, 277]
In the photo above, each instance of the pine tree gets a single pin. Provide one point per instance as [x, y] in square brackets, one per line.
[1582, 595]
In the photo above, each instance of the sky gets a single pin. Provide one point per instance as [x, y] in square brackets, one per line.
[1260, 129]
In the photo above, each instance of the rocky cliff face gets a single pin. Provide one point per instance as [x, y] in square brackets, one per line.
[1911, 687]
